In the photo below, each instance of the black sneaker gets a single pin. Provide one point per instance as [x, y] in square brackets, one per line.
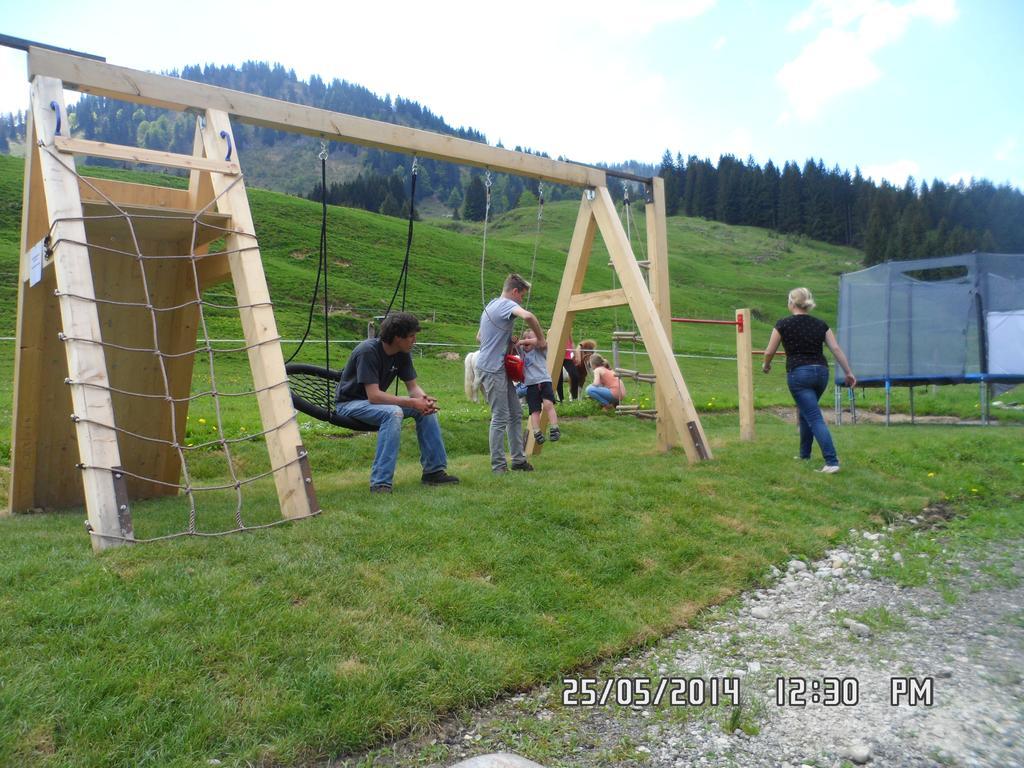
[556, 434]
[439, 478]
[380, 489]
[524, 467]
[538, 436]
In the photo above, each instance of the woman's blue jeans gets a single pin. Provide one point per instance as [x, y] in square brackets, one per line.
[389, 418]
[603, 395]
[807, 384]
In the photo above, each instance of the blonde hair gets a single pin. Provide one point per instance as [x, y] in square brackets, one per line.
[597, 361]
[801, 299]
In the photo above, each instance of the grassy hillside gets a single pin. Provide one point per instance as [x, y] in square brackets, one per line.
[295, 645]
[714, 269]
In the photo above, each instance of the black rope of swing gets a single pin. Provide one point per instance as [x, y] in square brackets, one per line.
[321, 271]
[313, 387]
[403, 277]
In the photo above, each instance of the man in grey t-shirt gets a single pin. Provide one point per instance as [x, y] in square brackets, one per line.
[495, 335]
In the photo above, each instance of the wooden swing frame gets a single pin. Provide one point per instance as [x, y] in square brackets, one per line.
[62, 368]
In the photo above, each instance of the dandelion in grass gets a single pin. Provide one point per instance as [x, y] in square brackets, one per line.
[931, 474]
[974, 490]
[202, 420]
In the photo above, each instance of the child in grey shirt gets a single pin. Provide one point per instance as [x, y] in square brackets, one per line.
[539, 392]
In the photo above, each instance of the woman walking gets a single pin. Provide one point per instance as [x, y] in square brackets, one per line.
[803, 337]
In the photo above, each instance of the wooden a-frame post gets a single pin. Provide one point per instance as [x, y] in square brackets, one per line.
[70, 400]
[597, 213]
[284, 443]
[53, 205]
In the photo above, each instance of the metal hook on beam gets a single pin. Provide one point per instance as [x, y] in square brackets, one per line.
[56, 108]
[227, 137]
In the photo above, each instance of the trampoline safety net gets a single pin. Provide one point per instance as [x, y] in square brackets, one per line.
[945, 320]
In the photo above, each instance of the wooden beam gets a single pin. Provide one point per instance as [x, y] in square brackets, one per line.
[212, 269]
[677, 403]
[200, 189]
[138, 155]
[86, 364]
[260, 330]
[745, 373]
[658, 279]
[598, 300]
[105, 224]
[96, 190]
[39, 369]
[102, 79]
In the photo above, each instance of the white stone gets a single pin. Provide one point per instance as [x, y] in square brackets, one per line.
[498, 760]
[761, 612]
[858, 753]
[861, 630]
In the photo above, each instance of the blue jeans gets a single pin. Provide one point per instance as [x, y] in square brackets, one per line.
[603, 395]
[389, 418]
[807, 384]
[506, 419]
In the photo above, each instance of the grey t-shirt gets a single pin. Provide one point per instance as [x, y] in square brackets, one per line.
[496, 323]
[535, 367]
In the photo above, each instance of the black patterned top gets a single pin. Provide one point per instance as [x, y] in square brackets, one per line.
[802, 337]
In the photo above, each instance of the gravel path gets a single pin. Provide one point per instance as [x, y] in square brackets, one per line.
[820, 621]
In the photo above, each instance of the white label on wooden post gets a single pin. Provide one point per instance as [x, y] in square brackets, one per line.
[36, 256]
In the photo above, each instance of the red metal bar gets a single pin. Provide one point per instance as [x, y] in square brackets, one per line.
[705, 322]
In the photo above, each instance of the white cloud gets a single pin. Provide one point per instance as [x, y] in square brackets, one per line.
[840, 58]
[719, 43]
[1006, 149]
[739, 142]
[566, 77]
[895, 173]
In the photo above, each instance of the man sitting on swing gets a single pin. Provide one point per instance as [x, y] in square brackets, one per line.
[362, 394]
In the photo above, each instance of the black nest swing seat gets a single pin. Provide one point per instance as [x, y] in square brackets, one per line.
[312, 388]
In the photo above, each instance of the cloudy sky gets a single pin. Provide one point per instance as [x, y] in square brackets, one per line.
[929, 88]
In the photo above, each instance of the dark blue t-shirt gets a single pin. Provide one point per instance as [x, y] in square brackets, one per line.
[803, 337]
[369, 364]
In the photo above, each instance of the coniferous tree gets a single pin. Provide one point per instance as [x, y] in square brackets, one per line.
[728, 197]
[790, 219]
[475, 205]
[876, 239]
[768, 209]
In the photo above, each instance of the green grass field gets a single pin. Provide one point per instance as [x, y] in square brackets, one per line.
[306, 641]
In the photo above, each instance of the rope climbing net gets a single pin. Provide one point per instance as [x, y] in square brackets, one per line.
[202, 457]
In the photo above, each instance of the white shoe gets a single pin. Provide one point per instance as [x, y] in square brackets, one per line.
[829, 469]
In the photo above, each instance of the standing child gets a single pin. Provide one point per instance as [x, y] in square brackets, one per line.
[539, 393]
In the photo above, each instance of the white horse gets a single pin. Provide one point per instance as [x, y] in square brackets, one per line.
[472, 381]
